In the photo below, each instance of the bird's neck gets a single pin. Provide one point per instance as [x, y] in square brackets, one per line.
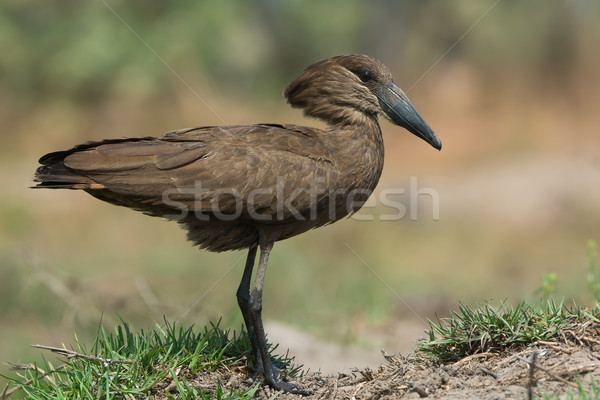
[359, 131]
[361, 145]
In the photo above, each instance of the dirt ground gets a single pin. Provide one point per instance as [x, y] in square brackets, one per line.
[558, 368]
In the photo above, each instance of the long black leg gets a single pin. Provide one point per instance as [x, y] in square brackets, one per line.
[270, 373]
[243, 298]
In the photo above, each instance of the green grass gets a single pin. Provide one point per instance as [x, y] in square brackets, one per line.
[503, 329]
[488, 329]
[127, 365]
[165, 362]
[593, 267]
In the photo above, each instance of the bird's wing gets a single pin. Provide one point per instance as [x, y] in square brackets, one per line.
[208, 169]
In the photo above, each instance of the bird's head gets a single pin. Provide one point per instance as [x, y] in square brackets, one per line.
[349, 89]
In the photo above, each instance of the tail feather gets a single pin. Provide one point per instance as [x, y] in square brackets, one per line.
[53, 174]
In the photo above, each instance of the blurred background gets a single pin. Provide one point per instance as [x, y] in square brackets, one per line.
[512, 89]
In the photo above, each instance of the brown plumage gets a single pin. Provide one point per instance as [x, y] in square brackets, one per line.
[236, 187]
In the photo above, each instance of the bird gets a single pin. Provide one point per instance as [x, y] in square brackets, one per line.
[249, 186]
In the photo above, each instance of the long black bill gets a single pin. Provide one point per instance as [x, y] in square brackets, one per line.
[398, 107]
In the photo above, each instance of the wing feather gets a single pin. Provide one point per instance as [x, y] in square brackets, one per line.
[203, 169]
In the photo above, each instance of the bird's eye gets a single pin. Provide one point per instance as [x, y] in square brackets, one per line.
[365, 75]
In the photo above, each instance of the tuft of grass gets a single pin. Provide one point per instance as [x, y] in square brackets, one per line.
[593, 270]
[489, 329]
[549, 282]
[127, 365]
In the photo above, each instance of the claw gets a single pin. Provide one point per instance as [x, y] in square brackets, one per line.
[285, 386]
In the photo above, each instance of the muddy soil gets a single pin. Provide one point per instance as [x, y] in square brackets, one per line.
[569, 364]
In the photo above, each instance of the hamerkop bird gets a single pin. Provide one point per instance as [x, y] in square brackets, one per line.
[248, 186]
